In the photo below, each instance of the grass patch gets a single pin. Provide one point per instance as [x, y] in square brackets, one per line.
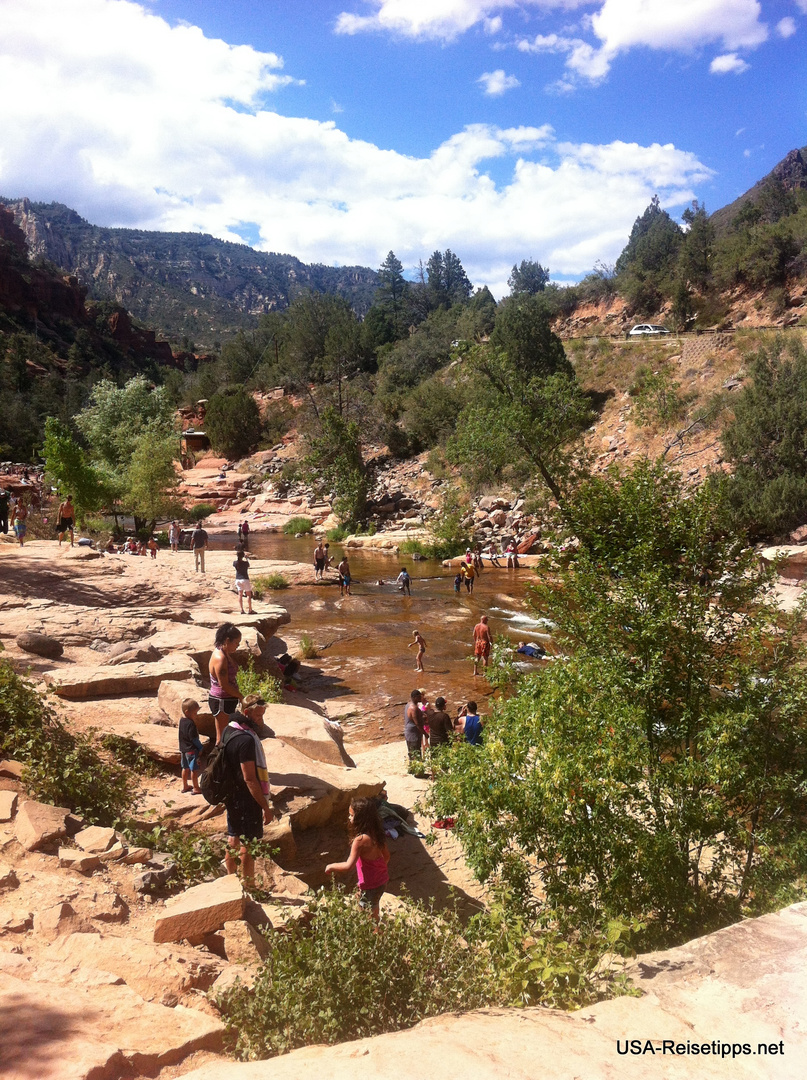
[265, 583]
[308, 649]
[60, 768]
[433, 549]
[297, 525]
[251, 681]
[337, 534]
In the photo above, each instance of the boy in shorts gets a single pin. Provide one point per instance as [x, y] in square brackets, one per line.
[190, 745]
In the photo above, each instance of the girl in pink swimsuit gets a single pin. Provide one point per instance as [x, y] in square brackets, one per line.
[368, 853]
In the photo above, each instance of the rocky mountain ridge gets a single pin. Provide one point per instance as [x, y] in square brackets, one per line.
[187, 285]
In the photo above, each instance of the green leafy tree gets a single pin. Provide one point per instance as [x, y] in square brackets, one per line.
[69, 470]
[233, 422]
[152, 482]
[660, 770]
[115, 419]
[767, 441]
[526, 407]
[337, 467]
[528, 278]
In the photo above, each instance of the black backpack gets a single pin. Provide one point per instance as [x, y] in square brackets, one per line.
[217, 781]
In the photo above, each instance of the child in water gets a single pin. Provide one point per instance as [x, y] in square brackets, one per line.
[368, 853]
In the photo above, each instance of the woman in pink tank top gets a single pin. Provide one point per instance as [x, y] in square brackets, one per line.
[368, 853]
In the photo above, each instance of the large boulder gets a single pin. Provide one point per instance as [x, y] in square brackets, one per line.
[40, 644]
[159, 742]
[78, 683]
[95, 839]
[161, 973]
[95, 1032]
[172, 693]
[309, 733]
[37, 824]
[201, 909]
[309, 792]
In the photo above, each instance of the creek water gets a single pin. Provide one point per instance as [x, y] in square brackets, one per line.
[364, 668]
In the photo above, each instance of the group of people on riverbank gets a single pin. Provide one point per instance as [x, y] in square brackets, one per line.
[428, 726]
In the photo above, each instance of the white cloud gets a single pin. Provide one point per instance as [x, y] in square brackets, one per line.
[148, 125]
[728, 64]
[440, 20]
[621, 25]
[786, 27]
[496, 83]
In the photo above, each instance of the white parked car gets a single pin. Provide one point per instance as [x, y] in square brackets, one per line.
[647, 328]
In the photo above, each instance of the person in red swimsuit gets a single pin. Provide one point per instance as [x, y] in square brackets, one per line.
[482, 644]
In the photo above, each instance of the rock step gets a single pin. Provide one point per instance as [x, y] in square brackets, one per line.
[78, 683]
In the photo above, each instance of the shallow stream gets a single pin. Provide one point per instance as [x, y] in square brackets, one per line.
[365, 669]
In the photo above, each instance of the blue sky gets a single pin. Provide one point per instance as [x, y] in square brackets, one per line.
[338, 131]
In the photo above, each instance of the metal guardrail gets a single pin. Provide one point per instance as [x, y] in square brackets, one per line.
[676, 335]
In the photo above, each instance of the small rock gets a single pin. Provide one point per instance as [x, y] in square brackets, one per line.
[11, 770]
[8, 805]
[117, 851]
[75, 859]
[95, 839]
[137, 855]
[16, 922]
[8, 878]
[37, 824]
[40, 644]
[74, 824]
[59, 920]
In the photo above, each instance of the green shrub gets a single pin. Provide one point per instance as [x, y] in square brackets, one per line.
[198, 857]
[251, 681]
[162, 537]
[658, 400]
[308, 649]
[200, 511]
[337, 534]
[130, 754]
[61, 768]
[266, 582]
[337, 979]
[298, 525]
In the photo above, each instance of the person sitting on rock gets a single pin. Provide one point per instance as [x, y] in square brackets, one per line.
[190, 746]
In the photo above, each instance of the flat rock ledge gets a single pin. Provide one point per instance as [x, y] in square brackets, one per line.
[743, 986]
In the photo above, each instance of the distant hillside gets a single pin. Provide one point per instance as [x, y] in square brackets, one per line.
[188, 286]
[789, 175]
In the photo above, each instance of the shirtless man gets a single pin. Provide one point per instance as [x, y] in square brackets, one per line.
[344, 577]
[66, 515]
[421, 644]
[320, 561]
[482, 644]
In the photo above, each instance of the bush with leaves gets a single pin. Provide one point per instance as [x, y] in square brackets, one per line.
[197, 857]
[767, 441]
[252, 681]
[660, 771]
[298, 525]
[61, 768]
[267, 582]
[337, 979]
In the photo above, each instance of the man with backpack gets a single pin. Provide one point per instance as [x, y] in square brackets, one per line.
[237, 776]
